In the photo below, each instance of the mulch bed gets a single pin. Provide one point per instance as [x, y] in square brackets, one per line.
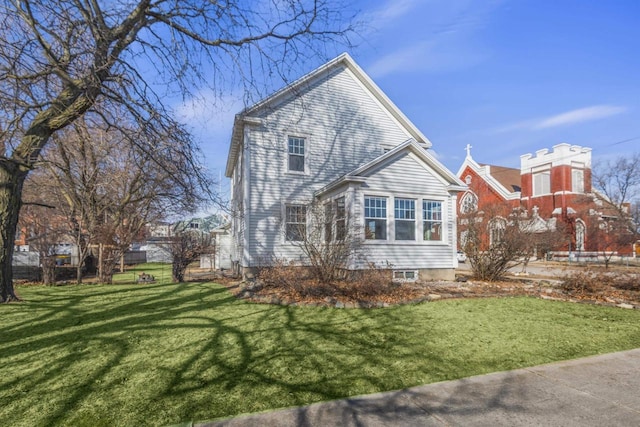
[409, 293]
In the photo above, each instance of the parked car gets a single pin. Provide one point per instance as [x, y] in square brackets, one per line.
[462, 257]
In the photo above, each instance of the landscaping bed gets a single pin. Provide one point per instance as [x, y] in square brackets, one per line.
[596, 288]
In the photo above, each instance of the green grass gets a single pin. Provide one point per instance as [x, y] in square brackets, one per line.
[162, 354]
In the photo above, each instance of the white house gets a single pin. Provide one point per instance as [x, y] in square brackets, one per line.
[334, 136]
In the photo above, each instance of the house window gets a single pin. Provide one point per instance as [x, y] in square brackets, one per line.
[296, 154]
[328, 222]
[295, 223]
[405, 219]
[375, 217]
[405, 276]
[432, 220]
[541, 183]
[335, 215]
[577, 180]
[469, 203]
[341, 217]
[194, 225]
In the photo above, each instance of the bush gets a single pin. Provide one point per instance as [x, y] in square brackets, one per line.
[299, 282]
[585, 283]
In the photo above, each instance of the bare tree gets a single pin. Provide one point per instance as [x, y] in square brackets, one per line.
[498, 239]
[618, 182]
[186, 247]
[59, 58]
[108, 188]
[326, 237]
[44, 235]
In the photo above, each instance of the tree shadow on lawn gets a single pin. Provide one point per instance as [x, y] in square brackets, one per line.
[163, 354]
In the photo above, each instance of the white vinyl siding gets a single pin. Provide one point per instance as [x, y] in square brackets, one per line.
[339, 120]
[418, 183]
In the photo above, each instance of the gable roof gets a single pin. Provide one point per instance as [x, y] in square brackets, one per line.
[293, 89]
[502, 179]
[508, 177]
[358, 175]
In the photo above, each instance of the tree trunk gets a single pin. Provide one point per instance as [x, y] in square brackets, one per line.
[48, 269]
[12, 178]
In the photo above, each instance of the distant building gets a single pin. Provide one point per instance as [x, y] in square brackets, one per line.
[551, 187]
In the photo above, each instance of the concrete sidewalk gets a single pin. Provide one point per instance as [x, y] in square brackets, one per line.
[595, 391]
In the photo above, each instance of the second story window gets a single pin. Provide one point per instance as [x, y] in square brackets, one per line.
[577, 180]
[541, 183]
[296, 154]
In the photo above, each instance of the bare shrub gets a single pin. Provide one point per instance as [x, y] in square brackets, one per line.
[627, 282]
[284, 274]
[586, 283]
[300, 282]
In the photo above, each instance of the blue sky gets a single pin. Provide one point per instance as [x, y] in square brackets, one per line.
[507, 77]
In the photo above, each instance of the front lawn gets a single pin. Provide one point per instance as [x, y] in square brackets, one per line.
[162, 354]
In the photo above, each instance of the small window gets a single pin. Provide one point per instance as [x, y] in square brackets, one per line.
[296, 154]
[375, 217]
[405, 276]
[405, 219]
[194, 225]
[296, 223]
[432, 220]
[541, 183]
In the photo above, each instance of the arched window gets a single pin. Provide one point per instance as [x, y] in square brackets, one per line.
[468, 203]
[497, 226]
[580, 234]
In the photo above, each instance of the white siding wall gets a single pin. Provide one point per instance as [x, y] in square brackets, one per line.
[405, 177]
[344, 128]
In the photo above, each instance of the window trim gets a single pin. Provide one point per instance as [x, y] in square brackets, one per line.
[404, 278]
[436, 221]
[386, 217]
[546, 172]
[285, 221]
[396, 219]
[446, 204]
[305, 156]
[580, 190]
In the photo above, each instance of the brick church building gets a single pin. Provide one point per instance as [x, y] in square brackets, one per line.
[552, 190]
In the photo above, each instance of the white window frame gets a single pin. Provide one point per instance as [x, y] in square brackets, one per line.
[468, 203]
[536, 186]
[304, 155]
[286, 221]
[404, 211]
[405, 275]
[426, 220]
[577, 180]
[375, 208]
